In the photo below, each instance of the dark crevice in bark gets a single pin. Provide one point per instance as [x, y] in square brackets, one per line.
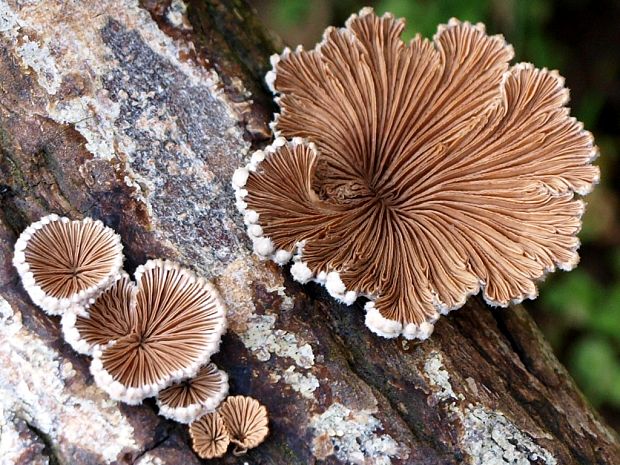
[511, 341]
[48, 450]
[148, 449]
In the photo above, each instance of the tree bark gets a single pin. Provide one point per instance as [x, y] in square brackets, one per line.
[138, 114]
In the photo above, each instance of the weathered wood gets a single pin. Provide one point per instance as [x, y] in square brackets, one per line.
[138, 115]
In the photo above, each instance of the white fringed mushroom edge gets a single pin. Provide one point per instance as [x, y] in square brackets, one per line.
[76, 303]
[135, 395]
[193, 411]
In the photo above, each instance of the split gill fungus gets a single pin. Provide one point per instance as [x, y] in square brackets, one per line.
[109, 317]
[174, 323]
[210, 438]
[417, 174]
[246, 420]
[64, 263]
[188, 399]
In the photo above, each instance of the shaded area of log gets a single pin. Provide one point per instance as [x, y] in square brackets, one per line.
[484, 389]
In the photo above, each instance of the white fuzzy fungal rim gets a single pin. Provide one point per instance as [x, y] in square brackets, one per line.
[76, 302]
[72, 335]
[135, 395]
[192, 412]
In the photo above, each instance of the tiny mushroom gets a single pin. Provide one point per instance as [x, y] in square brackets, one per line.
[417, 174]
[108, 318]
[178, 323]
[188, 399]
[64, 263]
[209, 435]
[246, 420]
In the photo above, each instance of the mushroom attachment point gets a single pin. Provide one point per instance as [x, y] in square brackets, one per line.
[417, 174]
[178, 321]
[246, 420]
[209, 435]
[188, 399]
[64, 263]
[111, 316]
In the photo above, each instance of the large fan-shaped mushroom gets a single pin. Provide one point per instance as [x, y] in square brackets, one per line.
[426, 171]
[188, 399]
[179, 321]
[64, 263]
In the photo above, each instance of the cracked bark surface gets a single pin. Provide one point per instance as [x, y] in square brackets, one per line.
[117, 113]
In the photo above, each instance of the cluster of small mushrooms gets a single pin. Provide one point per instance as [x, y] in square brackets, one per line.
[150, 337]
[417, 174]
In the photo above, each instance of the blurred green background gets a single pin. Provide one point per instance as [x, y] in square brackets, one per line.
[579, 311]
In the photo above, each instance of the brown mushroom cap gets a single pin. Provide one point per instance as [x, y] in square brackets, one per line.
[188, 399]
[210, 438]
[179, 321]
[110, 317]
[64, 263]
[423, 172]
[246, 420]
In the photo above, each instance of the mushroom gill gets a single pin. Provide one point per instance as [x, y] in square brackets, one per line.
[179, 321]
[188, 399]
[64, 263]
[111, 316]
[210, 438]
[246, 420]
[419, 173]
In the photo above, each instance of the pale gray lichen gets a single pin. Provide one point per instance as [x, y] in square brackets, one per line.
[39, 58]
[487, 436]
[149, 459]
[305, 384]
[438, 376]
[263, 340]
[8, 19]
[18, 442]
[491, 439]
[352, 436]
[33, 389]
[176, 14]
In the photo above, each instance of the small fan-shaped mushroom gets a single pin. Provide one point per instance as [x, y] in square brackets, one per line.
[246, 420]
[179, 321]
[419, 173]
[64, 263]
[110, 317]
[210, 437]
[188, 399]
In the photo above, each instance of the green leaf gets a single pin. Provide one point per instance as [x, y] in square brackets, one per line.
[291, 12]
[574, 296]
[424, 16]
[605, 319]
[594, 364]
